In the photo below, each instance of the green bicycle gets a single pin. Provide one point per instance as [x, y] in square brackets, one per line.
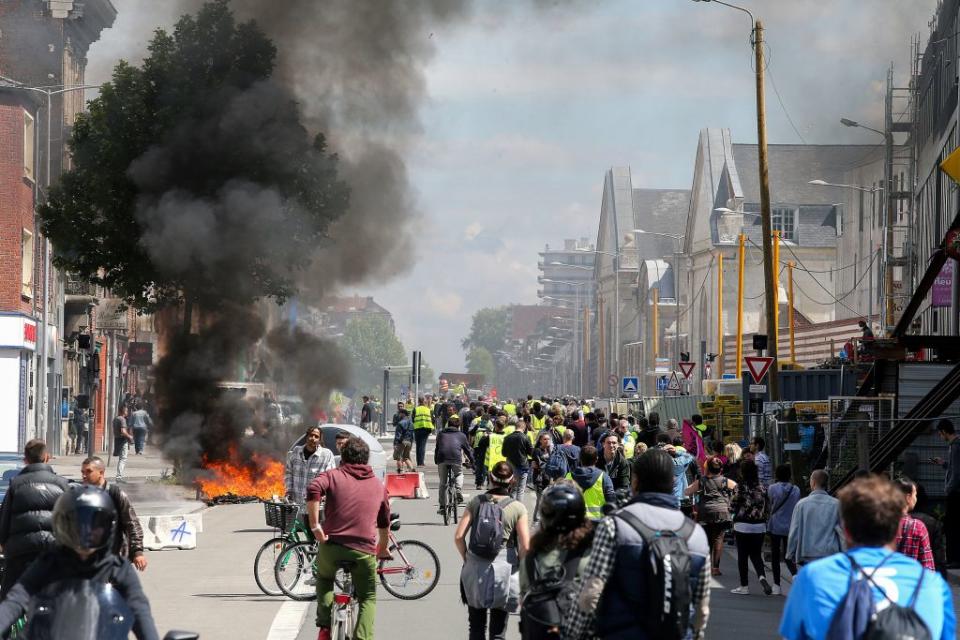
[284, 517]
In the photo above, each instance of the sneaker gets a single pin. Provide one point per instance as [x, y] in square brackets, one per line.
[324, 634]
[741, 591]
[775, 590]
[766, 585]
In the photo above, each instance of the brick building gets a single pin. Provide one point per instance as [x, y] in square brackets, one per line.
[43, 52]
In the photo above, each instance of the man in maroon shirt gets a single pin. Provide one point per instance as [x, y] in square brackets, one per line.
[355, 529]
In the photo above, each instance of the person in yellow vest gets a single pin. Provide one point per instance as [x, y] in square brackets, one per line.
[422, 428]
[479, 431]
[510, 408]
[492, 444]
[512, 422]
[538, 419]
[598, 492]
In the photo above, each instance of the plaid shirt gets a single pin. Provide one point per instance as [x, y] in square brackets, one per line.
[298, 472]
[580, 620]
[913, 541]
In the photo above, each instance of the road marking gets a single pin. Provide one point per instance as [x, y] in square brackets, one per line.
[286, 624]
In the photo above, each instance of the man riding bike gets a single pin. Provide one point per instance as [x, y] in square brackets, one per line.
[355, 529]
[452, 446]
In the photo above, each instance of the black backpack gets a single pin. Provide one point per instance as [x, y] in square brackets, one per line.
[486, 531]
[549, 595]
[667, 593]
[857, 618]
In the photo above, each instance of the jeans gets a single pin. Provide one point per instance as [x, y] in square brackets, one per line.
[477, 619]
[420, 436]
[778, 549]
[122, 448]
[445, 467]
[364, 576]
[749, 546]
[479, 471]
[139, 439]
[520, 474]
[536, 506]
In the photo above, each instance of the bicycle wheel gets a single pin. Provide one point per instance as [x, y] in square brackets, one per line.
[264, 563]
[294, 571]
[414, 578]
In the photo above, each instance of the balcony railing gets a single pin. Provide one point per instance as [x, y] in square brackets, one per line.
[79, 287]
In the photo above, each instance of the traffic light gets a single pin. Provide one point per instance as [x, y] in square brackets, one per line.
[684, 356]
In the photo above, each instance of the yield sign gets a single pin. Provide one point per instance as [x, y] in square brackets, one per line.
[674, 382]
[687, 368]
[758, 366]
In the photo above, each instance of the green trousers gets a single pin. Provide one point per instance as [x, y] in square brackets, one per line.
[364, 575]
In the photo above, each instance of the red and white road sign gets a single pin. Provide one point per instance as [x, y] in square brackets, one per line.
[758, 366]
[686, 368]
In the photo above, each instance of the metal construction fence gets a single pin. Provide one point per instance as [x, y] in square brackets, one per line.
[839, 436]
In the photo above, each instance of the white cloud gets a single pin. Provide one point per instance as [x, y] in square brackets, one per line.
[473, 230]
[446, 304]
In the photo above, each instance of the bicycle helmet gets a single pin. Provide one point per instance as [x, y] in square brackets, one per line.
[562, 508]
[84, 518]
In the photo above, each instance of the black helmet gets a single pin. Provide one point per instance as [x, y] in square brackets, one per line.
[84, 518]
[562, 508]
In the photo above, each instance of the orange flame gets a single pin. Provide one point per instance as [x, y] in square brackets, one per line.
[259, 476]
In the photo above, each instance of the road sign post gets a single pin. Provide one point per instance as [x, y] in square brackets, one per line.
[630, 384]
[686, 368]
[674, 384]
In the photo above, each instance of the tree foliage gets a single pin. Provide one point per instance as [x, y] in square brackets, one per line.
[488, 330]
[371, 344]
[479, 360]
[193, 176]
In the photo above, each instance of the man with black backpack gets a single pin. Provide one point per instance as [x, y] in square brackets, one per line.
[888, 596]
[649, 572]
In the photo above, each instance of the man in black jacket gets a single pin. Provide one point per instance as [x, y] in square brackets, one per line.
[26, 529]
[452, 447]
[128, 543]
[518, 449]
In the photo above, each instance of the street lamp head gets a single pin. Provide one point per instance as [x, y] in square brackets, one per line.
[849, 123]
[819, 183]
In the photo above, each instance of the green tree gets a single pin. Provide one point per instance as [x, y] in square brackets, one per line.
[371, 344]
[480, 361]
[193, 177]
[488, 330]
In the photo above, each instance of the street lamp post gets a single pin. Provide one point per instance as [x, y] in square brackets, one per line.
[49, 92]
[766, 218]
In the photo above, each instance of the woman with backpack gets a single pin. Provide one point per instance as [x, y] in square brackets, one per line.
[783, 496]
[751, 507]
[714, 492]
[550, 572]
[541, 454]
[498, 538]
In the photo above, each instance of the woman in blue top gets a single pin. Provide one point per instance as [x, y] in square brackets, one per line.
[783, 497]
[870, 510]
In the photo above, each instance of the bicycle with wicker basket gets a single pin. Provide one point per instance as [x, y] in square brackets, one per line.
[289, 529]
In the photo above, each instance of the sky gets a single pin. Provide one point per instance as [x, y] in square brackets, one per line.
[528, 105]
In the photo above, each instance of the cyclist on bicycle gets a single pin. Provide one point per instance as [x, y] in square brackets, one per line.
[355, 529]
[452, 447]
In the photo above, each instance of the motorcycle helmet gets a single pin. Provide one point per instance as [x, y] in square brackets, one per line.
[84, 518]
[562, 508]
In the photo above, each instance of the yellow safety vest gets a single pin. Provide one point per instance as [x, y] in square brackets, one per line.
[537, 424]
[561, 429]
[511, 409]
[422, 419]
[532, 434]
[593, 497]
[495, 450]
[628, 444]
[586, 409]
[507, 430]
[478, 436]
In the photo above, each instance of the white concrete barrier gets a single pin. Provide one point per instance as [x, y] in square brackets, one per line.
[422, 492]
[177, 531]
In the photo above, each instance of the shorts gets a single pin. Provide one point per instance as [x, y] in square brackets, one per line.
[401, 451]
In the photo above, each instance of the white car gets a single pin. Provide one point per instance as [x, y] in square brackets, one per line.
[378, 457]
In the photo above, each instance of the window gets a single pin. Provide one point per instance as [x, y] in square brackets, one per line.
[26, 253]
[784, 221]
[29, 150]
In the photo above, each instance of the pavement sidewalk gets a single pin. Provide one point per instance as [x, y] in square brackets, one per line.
[149, 466]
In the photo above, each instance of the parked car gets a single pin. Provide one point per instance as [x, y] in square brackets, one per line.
[10, 465]
[378, 456]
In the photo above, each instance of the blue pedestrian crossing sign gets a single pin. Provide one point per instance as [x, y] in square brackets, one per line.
[630, 384]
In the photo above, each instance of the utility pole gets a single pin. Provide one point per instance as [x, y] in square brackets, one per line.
[769, 275]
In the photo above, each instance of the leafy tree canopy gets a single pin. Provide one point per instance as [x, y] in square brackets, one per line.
[371, 344]
[479, 360]
[488, 330]
[193, 176]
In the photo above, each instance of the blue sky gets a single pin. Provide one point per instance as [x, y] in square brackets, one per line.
[528, 107]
